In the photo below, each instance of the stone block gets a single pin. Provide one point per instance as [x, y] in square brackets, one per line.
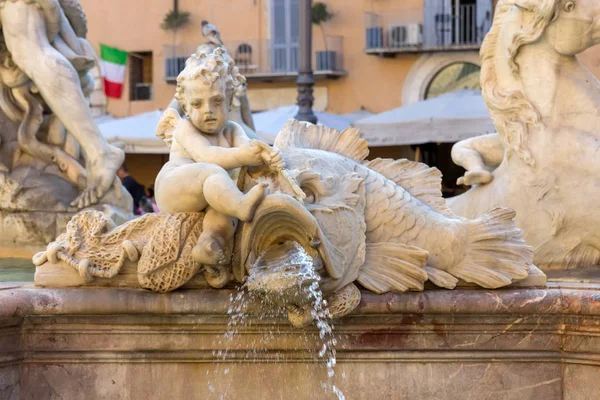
[105, 343]
[28, 228]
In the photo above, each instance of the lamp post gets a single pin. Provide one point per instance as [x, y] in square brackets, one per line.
[305, 79]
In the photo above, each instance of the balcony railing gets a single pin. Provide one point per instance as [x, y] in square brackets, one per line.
[262, 60]
[437, 28]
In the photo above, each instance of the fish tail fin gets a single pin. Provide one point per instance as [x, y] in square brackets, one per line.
[496, 253]
[393, 267]
[441, 278]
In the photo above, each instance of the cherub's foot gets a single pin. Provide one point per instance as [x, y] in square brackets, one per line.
[209, 251]
[101, 176]
[250, 201]
[216, 275]
[475, 177]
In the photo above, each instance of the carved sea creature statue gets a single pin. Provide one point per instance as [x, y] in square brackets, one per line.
[544, 104]
[381, 223]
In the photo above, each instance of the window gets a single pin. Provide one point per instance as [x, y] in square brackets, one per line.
[243, 58]
[285, 34]
[140, 76]
[454, 77]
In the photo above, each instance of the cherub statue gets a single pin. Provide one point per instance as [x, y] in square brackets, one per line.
[240, 111]
[206, 151]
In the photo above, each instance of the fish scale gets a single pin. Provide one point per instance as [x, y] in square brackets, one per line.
[410, 235]
[401, 218]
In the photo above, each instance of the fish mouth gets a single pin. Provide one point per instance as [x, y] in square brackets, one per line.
[282, 229]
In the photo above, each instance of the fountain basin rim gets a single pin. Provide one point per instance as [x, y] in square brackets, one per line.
[556, 298]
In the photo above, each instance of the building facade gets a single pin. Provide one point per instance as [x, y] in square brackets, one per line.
[372, 54]
[376, 54]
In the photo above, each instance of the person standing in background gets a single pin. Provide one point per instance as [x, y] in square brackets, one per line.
[136, 190]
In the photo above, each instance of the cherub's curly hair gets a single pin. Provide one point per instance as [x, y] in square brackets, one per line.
[210, 67]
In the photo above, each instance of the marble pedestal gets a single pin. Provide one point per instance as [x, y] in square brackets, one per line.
[107, 343]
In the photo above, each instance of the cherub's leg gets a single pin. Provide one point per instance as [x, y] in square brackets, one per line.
[214, 246]
[475, 154]
[24, 30]
[223, 195]
[192, 187]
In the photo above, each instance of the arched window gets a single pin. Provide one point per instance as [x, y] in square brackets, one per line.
[243, 57]
[456, 76]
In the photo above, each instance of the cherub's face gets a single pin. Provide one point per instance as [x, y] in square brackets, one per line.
[206, 106]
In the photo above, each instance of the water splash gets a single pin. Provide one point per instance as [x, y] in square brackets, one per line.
[323, 321]
[283, 281]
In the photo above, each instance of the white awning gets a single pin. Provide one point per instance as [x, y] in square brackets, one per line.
[269, 123]
[136, 132]
[447, 119]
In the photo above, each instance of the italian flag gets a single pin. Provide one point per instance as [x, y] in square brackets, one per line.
[112, 64]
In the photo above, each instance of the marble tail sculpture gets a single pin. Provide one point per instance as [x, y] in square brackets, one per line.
[53, 157]
[380, 223]
[543, 162]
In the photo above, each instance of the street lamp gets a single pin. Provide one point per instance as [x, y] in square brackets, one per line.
[305, 79]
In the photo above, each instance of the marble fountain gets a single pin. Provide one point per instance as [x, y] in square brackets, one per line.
[302, 270]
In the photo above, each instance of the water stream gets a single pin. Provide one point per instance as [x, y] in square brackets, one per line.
[283, 280]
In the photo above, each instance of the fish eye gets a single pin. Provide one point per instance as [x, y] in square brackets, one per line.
[569, 6]
[310, 195]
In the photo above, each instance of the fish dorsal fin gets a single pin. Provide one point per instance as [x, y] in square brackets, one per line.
[166, 125]
[296, 134]
[420, 180]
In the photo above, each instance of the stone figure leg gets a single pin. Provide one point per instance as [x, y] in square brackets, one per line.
[475, 154]
[214, 246]
[197, 187]
[24, 30]
[192, 187]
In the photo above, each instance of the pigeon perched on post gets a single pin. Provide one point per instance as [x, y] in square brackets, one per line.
[211, 33]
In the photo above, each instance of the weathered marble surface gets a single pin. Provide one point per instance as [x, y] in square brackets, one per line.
[53, 159]
[35, 204]
[543, 162]
[461, 344]
[312, 201]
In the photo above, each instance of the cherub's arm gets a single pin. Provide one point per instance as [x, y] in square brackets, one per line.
[269, 155]
[238, 135]
[201, 150]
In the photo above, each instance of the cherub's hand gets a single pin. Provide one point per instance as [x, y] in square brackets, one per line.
[251, 155]
[269, 156]
[273, 158]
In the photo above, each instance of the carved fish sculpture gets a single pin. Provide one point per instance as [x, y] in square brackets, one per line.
[381, 223]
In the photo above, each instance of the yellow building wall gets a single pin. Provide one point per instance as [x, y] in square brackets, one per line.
[375, 83]
[372, 82]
